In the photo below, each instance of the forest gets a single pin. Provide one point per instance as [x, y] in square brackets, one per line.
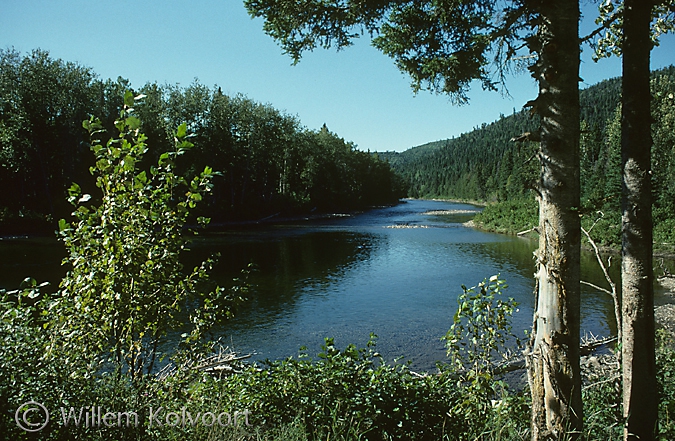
[489, 166]
[268, 163]
[101, 331]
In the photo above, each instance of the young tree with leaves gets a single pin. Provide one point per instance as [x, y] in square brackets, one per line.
[126, 289]
[444, 46]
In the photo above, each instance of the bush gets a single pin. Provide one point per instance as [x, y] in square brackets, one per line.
[510, 217]
[126, 289]
[96, 342]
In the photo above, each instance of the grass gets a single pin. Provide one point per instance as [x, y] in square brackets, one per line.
[509, 217]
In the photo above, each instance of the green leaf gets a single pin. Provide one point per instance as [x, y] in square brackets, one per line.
[142, 178]
[181, 132]
[74, 190]
[133, 123]
[128, 98]
[28, 282]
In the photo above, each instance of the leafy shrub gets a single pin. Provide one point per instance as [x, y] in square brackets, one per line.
[665, 368]
[511, 216]
[126, 288]
[477, 341]
[346, 394]
[97, 340]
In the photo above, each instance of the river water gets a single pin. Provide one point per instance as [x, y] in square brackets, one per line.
[395, 272]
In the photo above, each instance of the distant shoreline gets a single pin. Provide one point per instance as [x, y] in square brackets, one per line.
[457, 201]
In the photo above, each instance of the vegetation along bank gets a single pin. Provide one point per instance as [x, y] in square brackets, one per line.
[267, 162]
[488, 165]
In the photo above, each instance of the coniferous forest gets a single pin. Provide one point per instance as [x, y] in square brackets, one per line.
[269, 164]
[489, 165]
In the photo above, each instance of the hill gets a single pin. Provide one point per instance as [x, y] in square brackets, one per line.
[485, 165]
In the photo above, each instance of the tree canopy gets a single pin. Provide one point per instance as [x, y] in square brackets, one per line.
[442, 45]
[268, 161]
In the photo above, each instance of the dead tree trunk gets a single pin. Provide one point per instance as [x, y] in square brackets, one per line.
[553, 354]
[640, 400]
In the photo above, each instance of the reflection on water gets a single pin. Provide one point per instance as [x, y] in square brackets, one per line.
[39, 258]
[347, 277]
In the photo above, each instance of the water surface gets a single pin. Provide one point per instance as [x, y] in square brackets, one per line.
[395, 272]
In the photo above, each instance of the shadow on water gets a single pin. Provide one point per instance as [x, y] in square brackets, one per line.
[393, 271]
[287, 264]
[517, 257]
[39, 258]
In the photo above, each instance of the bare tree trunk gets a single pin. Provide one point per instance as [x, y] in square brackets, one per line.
[640, 400]
[553, 355]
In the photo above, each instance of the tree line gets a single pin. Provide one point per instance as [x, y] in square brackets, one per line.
[486, 164]
[268, 162]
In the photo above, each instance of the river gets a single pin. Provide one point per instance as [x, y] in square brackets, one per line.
[395, 272]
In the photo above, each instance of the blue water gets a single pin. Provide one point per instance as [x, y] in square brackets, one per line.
[349, 276]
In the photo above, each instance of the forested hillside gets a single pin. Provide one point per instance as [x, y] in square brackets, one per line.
[268, 162]
[486, 165]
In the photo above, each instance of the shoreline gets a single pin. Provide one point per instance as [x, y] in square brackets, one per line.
[664, 310]
[531, 234]
[457, 201]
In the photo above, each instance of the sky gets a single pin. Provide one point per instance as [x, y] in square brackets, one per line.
[357, 92]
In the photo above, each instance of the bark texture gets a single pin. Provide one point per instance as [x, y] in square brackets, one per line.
[640, 399]
[553, 355]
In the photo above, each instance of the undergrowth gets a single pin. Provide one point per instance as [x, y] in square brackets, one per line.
[54, 349]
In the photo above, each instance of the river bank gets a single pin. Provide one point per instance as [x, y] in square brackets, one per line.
[602, 365]
[664, 313]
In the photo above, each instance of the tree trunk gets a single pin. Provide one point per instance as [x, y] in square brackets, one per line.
[640, 400]
[553, 355]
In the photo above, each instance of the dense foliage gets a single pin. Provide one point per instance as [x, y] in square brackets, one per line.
[269, 163]
[341, 394]
[486, 165]
[94, 342]
[126, 288]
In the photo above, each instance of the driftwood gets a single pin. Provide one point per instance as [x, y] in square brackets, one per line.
[527, 231]
[220, 362]
[225, 361]
[585, 349]
[595, 343]
[519, 363]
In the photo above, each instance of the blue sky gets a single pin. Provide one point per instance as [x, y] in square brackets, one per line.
[357, 92]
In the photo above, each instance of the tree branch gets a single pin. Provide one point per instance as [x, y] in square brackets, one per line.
[605, 24]
[613, 293]
[599, 288]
